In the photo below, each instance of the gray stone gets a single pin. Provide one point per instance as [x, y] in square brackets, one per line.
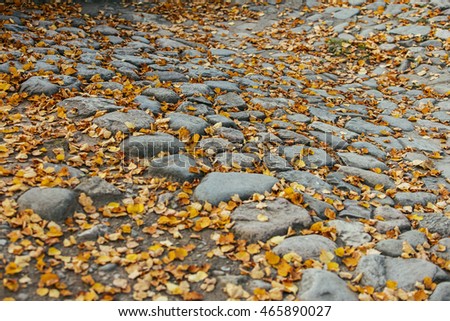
[145, 103]
[412, 30]
[105, 30]
[225, 121]
[317, 206]
[412, 198]
[231, 134]
[134, 60]
[390, 247]
[166, 76]
[346, 13]
[320, 285]
[52, 204]
[298, 118]
[333, 141]
[169, 43]
[223, 85]
[322, 114]
[148, 146]
[162, 95]
[243, 160]
[307, 246]
[195, 109]
[387, 143]
[93, 233]
[441, 4]
[218, 187]
[99, 190]
[38, 85]
[377, 269]
[337, 180]
[231, 100]
[196, 72]
[350, 233]
[83, 107]
[120, 121]
[422, 144]
[337, 131]
[114, 40]
[195, 125]
[276, 163]
[88, 71]
[215, 145]
[174, 167]
[436, 223]
[306, 179]
[369, 178]
[442, 249]
[222, 52]
[60, 168]
[360, 126]
[388, 218]
[355, 211]
[314, 158]
[401, 123]
[290, 136]
[196, 89]
[272, 103]
[413, 237]
[362, 161]
[260, 224]
[442, 291]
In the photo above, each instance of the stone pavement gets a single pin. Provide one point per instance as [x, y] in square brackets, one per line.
[140, 134]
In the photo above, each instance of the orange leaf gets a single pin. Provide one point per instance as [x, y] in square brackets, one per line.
[12, 268]
[272, 258]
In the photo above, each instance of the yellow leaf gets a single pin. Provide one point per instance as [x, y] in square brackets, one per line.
[333, 266]
[70, 71]
[54, 232]
[181, 253]
[4, 86]
[243, 256]
[53, 251]
[377, 170]
[284, 268]
[42, 291]
[272, 258]
[325, 256]
[12, 268]
[135, 208]
[277, 240]
[391, 284]
[339, 251]
[48, 279]
[197, 277]
[202, 223]
[262, 218]
[129, 125]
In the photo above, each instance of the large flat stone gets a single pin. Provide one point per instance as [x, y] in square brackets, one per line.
[377, 269]
[307, 246]
[320, 285]
[259, 224]
[120, 121]
[369, 178]
[82, 107]
[218, 187]
[52, 204]
[148, 146]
